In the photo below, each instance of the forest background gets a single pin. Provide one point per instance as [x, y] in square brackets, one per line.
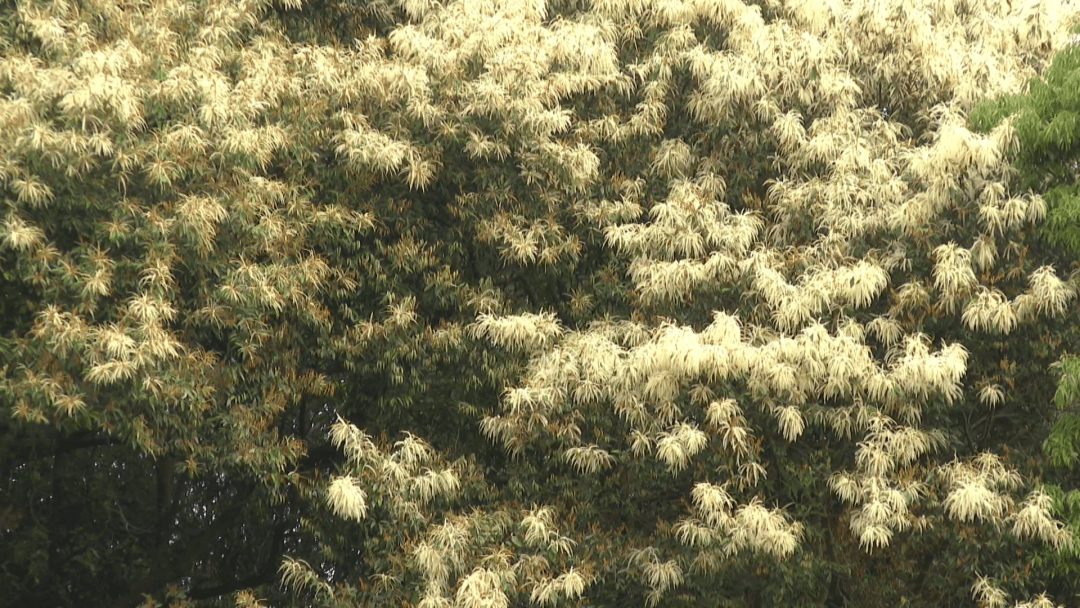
[523, 302]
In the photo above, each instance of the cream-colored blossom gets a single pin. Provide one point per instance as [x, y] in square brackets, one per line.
[518, 331]
[1035, 520]
[346, 498]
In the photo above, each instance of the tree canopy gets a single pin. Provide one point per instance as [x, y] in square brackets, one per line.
[526, 302]
[1047, 130]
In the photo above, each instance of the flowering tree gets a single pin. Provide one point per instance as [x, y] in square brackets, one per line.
[492, 303]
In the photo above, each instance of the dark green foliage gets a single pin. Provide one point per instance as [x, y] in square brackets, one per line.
[1064, 442]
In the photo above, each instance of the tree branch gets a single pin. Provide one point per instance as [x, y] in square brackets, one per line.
[255, 580]
[266, 576]
[169, 566]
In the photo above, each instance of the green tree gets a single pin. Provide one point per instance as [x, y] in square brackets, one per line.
[497, 302]
[1047, 122]
[1046, 119]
